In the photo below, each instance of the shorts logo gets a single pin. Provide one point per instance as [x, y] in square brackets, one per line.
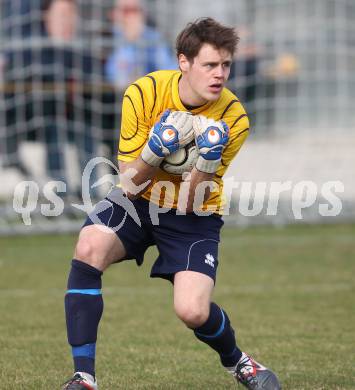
[209, 260]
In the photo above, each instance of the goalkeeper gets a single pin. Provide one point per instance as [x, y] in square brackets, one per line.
[156, 123]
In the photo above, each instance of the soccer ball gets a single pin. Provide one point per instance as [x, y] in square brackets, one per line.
[183, 160]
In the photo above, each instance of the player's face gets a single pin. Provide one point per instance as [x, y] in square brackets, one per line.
[204, 78]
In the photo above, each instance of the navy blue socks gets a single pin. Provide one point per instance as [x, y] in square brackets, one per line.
[83, 309]
[219, 335]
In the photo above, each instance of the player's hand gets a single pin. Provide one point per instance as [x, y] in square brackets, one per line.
[211, 138]
[173, 131]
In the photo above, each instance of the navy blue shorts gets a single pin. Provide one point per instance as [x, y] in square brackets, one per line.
[184, 242]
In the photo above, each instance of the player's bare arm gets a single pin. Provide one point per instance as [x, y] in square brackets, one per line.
[195, 178]
[144, 173]
[134, 175]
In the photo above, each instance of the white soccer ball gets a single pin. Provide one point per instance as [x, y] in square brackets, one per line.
[183, 160]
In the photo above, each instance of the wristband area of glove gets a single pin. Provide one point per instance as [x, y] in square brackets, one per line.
[150, 158]
[207, 166]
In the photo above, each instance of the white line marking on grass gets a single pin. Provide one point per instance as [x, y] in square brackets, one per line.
[296, 240]
[324, 288]
[295, 288]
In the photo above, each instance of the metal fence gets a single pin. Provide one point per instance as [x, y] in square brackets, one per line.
[294, 72]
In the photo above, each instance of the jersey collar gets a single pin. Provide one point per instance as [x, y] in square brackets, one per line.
[176, 98]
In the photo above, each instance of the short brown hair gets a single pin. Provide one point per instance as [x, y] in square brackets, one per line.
[205, 30]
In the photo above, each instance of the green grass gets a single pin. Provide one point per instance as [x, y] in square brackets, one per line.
[289, 292]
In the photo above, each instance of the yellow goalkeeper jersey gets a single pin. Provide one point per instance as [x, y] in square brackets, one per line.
[146, 99]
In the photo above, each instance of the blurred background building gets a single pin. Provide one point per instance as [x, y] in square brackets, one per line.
[60, 104]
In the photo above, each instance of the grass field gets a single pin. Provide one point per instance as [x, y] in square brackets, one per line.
[290, 293]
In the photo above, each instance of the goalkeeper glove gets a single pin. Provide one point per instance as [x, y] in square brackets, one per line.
[211, 137]
[173, 131]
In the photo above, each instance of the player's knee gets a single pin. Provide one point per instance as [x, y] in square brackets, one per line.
[192, 314]
[88, 251]
[84, 250]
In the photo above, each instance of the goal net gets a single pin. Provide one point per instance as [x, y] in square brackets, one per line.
[59, 108]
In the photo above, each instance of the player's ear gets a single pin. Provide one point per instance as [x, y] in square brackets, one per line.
[184, 63]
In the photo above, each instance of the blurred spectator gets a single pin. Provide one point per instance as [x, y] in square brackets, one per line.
[256, 75]
[245, 74]
[76, 68]
[280, 81]
[56, 75]
[13, 34]
[61, 19]
[286, 66]
[138, 48]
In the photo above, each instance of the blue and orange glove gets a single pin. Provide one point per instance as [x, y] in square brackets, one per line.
[173, 131]
[211, 138]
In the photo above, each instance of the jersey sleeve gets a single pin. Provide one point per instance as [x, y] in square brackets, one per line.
[239, 130]
[134, 126]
